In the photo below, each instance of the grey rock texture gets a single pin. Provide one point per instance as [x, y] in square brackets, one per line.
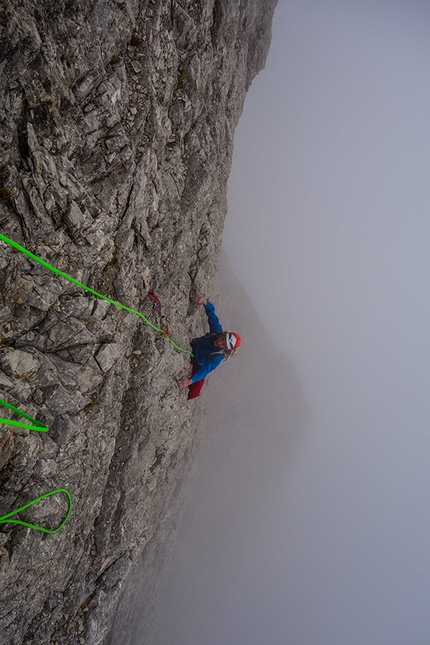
[117, 124]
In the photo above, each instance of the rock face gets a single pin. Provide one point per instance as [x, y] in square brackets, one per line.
[117, 123]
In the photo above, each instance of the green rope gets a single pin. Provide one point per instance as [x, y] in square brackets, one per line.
[38, 427]
[83, 286]
[5, 518]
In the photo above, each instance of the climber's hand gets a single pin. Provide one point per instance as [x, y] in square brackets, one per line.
[184, 382]
[198, 300]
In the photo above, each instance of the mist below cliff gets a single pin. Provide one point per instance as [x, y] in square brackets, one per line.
[257, 418]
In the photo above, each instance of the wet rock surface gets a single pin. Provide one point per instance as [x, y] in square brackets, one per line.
[117, 124]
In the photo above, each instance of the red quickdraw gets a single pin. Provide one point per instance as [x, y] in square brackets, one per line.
[156, 306]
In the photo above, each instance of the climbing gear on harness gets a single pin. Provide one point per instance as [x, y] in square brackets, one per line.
[37, 426]
[157, 306]
[5, 519]
[95, 293]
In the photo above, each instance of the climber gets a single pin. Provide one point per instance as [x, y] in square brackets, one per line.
[209, 350]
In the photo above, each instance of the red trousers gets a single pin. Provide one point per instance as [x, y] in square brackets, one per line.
[195, 388]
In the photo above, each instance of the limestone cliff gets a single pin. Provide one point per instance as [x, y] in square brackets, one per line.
[117, 124]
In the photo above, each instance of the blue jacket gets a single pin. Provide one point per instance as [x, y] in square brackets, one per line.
[206, 354]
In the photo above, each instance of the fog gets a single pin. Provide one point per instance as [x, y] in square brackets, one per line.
[328, 230]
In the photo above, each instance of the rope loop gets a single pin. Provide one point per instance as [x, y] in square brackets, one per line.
[38, 427]
[5, 519]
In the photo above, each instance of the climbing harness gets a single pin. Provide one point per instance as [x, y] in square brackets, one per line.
[157, 306]
[37, 426]
[83, 286]
[5, 519]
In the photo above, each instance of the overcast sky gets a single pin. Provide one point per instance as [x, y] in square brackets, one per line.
[329, 230]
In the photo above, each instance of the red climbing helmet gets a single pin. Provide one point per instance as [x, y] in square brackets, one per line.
[232, 340]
